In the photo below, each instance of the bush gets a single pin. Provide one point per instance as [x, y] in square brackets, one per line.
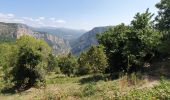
[52, 63]
[31, 62]
[89, 89]
[93, 61]
[68, 65]
[8, 58]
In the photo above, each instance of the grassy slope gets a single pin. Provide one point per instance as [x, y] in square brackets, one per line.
[100, 87]
[85, 88]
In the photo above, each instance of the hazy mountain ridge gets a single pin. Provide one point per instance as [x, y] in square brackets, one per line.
[86, 40]
[15, 30]
[67, 34]
[60, 43]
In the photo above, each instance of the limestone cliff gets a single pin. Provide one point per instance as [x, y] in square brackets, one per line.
[12, 31]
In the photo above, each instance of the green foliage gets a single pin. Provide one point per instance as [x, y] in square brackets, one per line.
[142, 21]
[52, 64]
[159, 92]
[128, 47]
[92, 61]
[7, 61]
[163, 17]
[31, 62]
[68, 64]
[6, 39]
[163, 24]
[89, 89]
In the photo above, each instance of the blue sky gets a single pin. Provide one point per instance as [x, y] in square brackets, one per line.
[76, 14]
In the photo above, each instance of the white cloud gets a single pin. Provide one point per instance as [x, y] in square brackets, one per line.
[60, 21]
[28, 18]
[57, 20]
[18, 20]
[35, 22]
[41, 18]
[10, 15]
[6, 16]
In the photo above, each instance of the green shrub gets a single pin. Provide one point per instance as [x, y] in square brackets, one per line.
[52, 63]
[89, 89]
[68, 65]
[93, 61]
[31, 62]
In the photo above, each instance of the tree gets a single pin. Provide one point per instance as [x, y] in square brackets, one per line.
[52, 63]
[144, 39]
[163, 17]
[31, 62]
[84, 67]
[129, 47]
[68, 64]
[93, 61]
[114, 41]
[163, 24]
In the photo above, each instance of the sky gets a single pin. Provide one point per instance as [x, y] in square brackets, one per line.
[74, 14]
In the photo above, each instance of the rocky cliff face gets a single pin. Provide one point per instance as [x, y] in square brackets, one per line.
[59, 45]
[8, 30]
[23, 30]
[65, 33]
[14, 31]
[86, 40]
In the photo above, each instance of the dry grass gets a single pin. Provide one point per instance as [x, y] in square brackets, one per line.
[72, 89]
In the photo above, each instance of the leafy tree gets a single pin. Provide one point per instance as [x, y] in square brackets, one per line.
[114, 41]
[163, 17]
[128, 47]
[84, 67]
[68, 64]
[93, 61]
[144, 39]
[52, 63]
[31, 62]
[163, 24]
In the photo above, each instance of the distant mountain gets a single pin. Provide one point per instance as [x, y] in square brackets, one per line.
[12, 31]
[86, 40]
[62, 40]
[67, 34]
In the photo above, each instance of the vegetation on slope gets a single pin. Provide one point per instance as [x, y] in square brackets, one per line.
[118, 68]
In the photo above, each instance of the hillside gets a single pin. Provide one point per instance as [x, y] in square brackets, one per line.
[93, 88]
[67, 34]
[12, 31]
[62, 40]
[86, 40]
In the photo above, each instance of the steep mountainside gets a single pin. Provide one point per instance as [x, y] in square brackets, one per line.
[67, 34]
[86, 40]
[12, 31]
[59, 45]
